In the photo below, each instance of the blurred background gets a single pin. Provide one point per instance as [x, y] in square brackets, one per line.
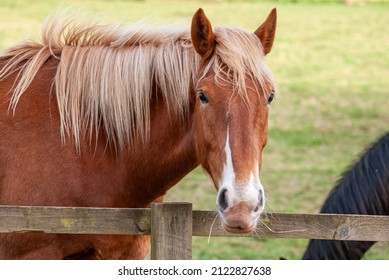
[331, 61]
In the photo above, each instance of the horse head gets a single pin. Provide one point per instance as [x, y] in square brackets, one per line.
[233, 93]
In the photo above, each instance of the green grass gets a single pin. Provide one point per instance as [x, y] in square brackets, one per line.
[332, 65]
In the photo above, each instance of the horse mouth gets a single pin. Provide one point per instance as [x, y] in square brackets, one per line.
[238, 230]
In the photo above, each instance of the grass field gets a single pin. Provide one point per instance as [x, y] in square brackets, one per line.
[332, 65]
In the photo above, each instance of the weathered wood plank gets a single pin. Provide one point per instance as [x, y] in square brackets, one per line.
[77, 220]
[74, 220]
[308, 226]
[171, 231]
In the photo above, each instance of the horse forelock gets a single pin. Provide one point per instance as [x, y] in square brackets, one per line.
[106, 73]
[238, 56]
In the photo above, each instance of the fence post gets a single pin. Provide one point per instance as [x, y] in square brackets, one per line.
[171, 231]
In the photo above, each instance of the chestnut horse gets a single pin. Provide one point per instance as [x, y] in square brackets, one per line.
[105, 116]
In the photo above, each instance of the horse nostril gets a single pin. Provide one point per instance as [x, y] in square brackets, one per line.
[260, 198]
[222, 200]
[260, 202]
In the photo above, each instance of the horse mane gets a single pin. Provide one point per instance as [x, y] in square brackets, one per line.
[363, 189]
[106, 72]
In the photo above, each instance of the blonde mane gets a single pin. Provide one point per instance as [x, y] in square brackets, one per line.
[106, 73]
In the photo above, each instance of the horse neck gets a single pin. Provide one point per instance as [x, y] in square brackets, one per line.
[167, 157]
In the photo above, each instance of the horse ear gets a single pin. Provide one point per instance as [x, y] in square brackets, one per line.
[267, 31]
[203, 38]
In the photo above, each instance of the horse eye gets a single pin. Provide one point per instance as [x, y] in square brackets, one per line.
[270, 98]
[203, 98]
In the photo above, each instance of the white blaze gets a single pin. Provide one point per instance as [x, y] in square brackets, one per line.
[248, 191]
[228, 177]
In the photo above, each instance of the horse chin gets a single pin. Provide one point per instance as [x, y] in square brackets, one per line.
[239, 230]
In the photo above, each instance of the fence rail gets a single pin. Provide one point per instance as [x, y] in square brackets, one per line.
[169, 222]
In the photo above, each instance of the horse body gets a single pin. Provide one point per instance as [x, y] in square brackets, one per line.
[76, 132]
[42, 177]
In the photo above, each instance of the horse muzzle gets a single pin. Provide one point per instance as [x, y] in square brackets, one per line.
[239, 216]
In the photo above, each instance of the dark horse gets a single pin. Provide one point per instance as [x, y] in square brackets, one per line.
[363, 189]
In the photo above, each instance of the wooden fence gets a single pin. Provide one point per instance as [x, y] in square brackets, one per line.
[172, 225]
